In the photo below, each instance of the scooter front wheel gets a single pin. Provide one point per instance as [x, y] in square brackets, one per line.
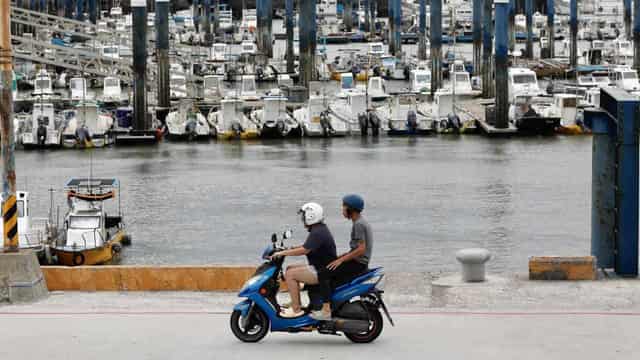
[257, 326]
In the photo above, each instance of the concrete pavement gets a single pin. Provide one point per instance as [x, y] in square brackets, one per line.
[202, 335]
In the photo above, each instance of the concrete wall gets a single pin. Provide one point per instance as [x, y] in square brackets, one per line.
[147, 278]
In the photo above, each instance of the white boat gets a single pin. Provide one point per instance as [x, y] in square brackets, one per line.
[78, 87]
[230, 122]
[420, 81]
[178, 86]
[273, 119]
[401, 116]
[33, 233]
[565, 107]
[42, 86]
[352, 110]
[87, 126]
[111, 91]
[213, 87]
[315, 120]
[248, 90]
[248, 49]
[626, 78]
[115, 12]
[110, 51]
[187, 123]
[347, 86]
[376, 50]
[327, 8]
[218, 52]
[284, 80]
[42, 128]
[376, 89]
[523, 81]
[461, 84]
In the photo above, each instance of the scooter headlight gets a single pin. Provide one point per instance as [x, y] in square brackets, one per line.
[251, 282]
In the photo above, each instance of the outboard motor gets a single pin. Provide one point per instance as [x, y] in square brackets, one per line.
[41, 132]
[374, 123]
[83, 137]
[237, 128]
[281, 127]
[259, 73]
[412, 121]
[454, 122]
[190, 128]
[327, 129]
[364, 124]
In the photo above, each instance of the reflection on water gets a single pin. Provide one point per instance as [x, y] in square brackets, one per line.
[426, 197]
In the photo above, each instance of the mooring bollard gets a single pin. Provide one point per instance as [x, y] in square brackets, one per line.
[473, 261]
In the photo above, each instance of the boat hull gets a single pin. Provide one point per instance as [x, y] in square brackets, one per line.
[232, 135]
[537, 125]
[94, 256]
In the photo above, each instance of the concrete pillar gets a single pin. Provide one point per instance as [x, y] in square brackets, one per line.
[502, 64]
[636, 34]
[80, 10]
[436, 45]
[391, 28]
[289, 28]
[308, 39]
[139, 36]
[397, 26]
[264, 12]
[422, 31]
[551, 11]
[477, 36]
[68, 9]
[627, 19]
[512, 25]
[9, 207]
[487, 50]
[93, 11]
[162, 54]
[21, 279]
[347, 15]
[206, 23]
[573, 30]
[528, 9]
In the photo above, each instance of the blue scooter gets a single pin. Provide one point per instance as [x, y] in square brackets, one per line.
[355, 305]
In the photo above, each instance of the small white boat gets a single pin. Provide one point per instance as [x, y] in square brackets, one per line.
[565, 107]
[248, 90]
[352, 110]
[225, 20]
[626, 78]
[230, 122]
[42, 128]
[402, 117]
[178, 86]
[213, 87]
[110, 51]
[42, 86]
[87, 126]
[347, 86]
[111, 91]
[274, 120]
[248, 49]
[315, 119]
[33, 233]
[376, 50]
[420, 81]
[78, 87]
[376, 89]
[187, 123]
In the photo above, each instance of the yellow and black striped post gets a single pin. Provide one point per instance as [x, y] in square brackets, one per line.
[10, 223]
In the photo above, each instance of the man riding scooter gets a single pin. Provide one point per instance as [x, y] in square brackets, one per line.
[320, 249]
[352, 263]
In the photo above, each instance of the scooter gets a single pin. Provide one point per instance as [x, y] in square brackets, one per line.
[355, 305]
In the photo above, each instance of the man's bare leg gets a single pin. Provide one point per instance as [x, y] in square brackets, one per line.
[295, 276]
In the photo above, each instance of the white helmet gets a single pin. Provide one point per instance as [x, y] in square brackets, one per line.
[312, 213]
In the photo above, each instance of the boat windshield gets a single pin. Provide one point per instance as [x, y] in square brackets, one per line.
[178, 81]
[219, 48]
[570, 102]
[43, 84]
[248, 85]
[20, 204]
[84, 222]
[629, 75]
[623, 45]
[110, 50]
[461, 77]
[210, 82]
[376, 48]
[585, 79]
[423, 78]
[111, 82]
[601, 79]
[524, 79]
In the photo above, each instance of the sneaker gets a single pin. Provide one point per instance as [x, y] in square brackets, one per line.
[320, 315]
[289, 313]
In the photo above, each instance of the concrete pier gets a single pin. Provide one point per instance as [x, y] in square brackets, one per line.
[477, 36]
[139, 36]
[436, 45]
[502, 66]
[21, 279]
[551, 27]
[308, 39]
[422, 34]
[162, 53]
[289, 29]
[347, 15]
[528, 9]
[487, 50]
[264, 13]
[573, 32]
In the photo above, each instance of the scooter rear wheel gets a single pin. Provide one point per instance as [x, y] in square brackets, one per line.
[375, 328]
[256, 329]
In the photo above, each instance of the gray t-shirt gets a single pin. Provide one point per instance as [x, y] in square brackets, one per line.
[361, 230]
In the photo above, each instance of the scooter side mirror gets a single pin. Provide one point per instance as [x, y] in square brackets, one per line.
[274, 238]
[287, 234]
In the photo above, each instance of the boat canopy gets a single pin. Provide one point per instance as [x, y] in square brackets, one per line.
[92, 189]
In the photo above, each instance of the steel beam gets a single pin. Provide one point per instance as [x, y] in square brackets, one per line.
[139, 35]
[502, 66]
[436, 45]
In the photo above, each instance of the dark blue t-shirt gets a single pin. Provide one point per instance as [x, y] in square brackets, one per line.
[321, 246]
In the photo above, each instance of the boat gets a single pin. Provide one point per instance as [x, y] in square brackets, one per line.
[248, 88]
[110, 51]
[111, 91]
[177, 86]
[376, 89]
[218, 52]
[78, 87]
[213, 87]
[529, 114]
[230, 122]
[522, 81]
[402, 117]
[86, 126]
[273, 119]
[622, 52]
[353, 111]
[626, 78]
[90, 236]
[42, 85]
[42, 128]
[316, 121]
[347, 86]
[33, 233]
[187, 123]
[420, 81]
[565, 107]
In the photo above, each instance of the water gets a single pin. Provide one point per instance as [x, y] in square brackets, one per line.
[426, 197]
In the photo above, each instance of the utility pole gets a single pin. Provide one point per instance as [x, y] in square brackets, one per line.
[9, 206]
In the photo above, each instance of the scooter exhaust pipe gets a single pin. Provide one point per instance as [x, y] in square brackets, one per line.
[350, 326]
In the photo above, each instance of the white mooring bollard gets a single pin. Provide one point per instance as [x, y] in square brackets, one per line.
[473, 261]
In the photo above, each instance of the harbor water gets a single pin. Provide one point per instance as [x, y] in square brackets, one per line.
[218, 203]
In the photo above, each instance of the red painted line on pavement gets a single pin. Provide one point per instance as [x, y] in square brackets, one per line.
[401, 313]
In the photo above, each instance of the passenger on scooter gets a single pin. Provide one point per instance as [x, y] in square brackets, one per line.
[353, 263]
[320, 249]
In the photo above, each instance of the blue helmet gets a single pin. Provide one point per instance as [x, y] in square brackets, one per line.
[354, 202]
